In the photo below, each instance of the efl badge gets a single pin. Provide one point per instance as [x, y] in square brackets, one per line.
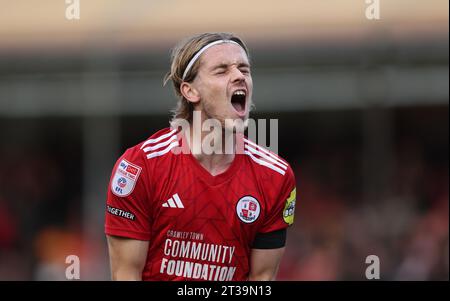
[289, 208]
[125, 178]
[248, 209]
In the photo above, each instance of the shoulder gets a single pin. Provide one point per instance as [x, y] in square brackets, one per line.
[157, 145]
[267, 161]
[135, 164]
[142, 155]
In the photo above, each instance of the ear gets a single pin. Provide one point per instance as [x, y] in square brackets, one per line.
[189, 92]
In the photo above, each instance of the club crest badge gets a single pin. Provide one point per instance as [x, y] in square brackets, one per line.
[248, 209]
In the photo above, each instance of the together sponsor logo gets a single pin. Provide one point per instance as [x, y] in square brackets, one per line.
[120, 213]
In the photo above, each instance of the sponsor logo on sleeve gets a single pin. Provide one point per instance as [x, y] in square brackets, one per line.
[289, 208]
[125, 178]
[120, 213]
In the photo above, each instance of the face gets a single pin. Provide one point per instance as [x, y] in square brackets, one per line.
[224, 83]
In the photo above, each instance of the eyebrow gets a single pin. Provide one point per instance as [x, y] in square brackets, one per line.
[225, 66]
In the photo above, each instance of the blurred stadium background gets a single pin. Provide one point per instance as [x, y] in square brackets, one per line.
[362, 108]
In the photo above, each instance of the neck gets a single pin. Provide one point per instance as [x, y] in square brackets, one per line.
[214, 149]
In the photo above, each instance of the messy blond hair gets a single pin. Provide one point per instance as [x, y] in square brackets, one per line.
[181, 54]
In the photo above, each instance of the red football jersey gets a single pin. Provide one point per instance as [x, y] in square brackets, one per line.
[199, 226]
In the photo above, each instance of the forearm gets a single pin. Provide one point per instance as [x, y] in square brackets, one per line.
[263, 276]
[126, 275]
[264, 264]
[127, 258]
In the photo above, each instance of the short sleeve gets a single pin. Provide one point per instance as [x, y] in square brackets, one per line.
[281, 210]
[127, 205]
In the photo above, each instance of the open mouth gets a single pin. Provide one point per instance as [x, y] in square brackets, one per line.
[238, 101]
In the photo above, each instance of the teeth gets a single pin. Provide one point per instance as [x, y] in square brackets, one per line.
[239, 92]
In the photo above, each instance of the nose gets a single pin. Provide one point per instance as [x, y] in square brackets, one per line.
[237, 75]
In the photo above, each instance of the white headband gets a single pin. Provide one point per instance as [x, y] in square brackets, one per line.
[197, 55]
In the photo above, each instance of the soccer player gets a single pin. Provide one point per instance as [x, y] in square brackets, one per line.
[173, 214]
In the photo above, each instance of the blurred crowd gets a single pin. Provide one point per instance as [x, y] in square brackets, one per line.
[337, 226]
[336, 229]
